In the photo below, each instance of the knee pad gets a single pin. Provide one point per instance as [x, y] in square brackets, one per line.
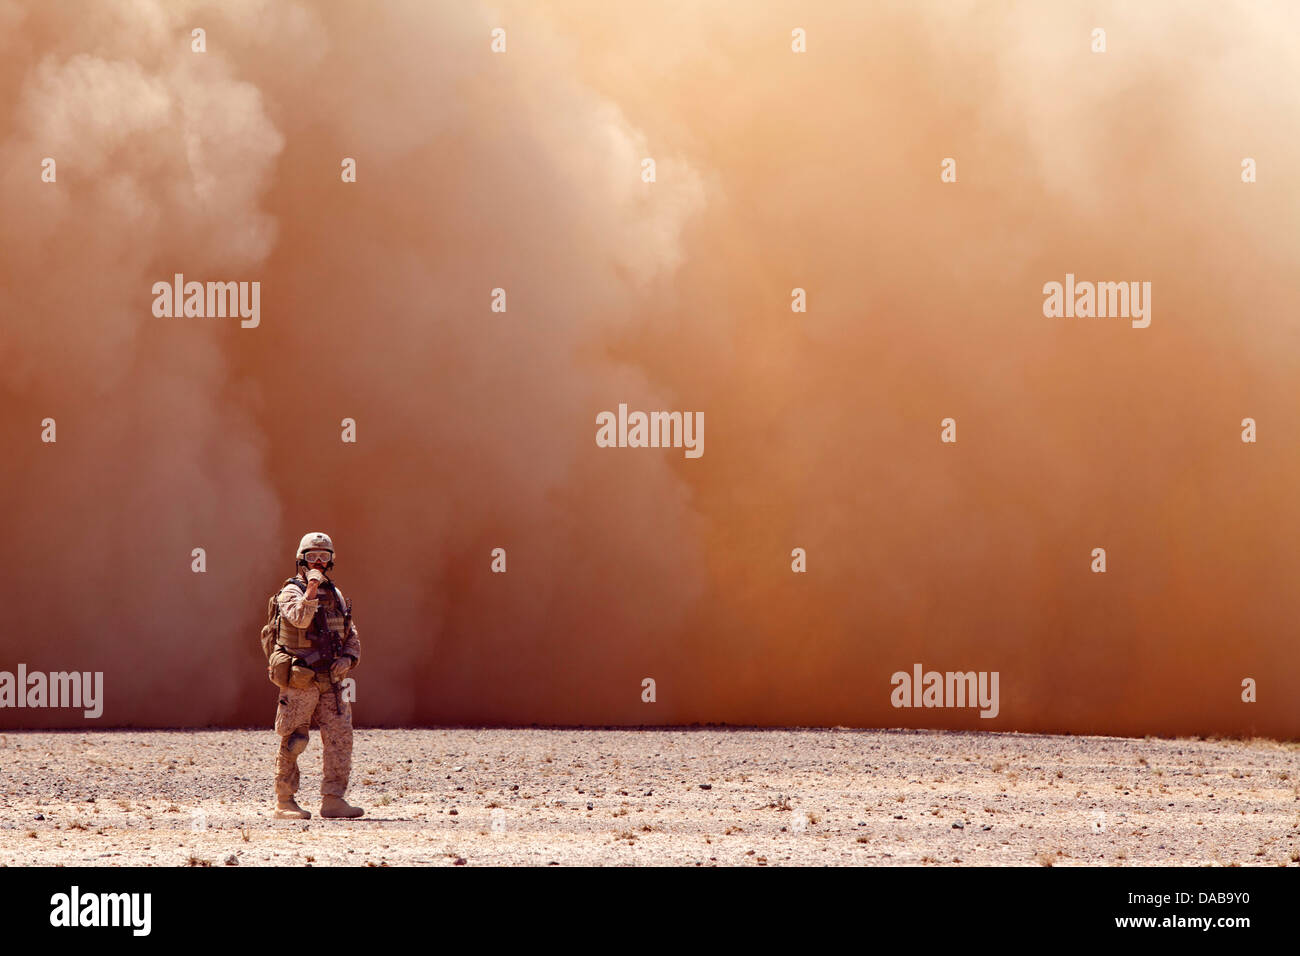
[296, 743]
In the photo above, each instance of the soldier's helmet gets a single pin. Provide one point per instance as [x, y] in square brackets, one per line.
[315, 541]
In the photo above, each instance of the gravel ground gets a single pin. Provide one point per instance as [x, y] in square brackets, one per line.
[683, 797]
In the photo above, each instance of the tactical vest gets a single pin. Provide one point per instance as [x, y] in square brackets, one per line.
[326, 625]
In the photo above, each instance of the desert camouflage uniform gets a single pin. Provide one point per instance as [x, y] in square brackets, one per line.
[298, 709]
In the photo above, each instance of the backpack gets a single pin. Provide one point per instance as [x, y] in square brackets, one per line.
[279, 667]
[271, 629]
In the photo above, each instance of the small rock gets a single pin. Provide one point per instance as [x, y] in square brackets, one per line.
[39, 816]
[590, 805]
[453, 812]
[231, 860]
[706, 786]
[959, 825]
[460, 861]
[457, 769]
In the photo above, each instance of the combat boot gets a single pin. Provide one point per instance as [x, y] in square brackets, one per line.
[286, 808]
[331, 806]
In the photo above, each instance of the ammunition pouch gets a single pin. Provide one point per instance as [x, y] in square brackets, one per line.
[278, 666]
[300, 678]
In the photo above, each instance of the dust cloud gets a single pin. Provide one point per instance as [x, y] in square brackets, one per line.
[475, 428]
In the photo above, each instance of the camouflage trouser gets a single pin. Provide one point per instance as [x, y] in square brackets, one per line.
[295, 713]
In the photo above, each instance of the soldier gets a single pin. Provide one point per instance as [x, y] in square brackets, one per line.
[313, 626]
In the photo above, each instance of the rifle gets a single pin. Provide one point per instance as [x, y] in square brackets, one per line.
[336, 651]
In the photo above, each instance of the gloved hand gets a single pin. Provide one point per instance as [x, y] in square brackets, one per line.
[314, 580]
[339, 669]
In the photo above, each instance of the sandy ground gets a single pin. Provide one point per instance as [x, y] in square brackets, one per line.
[684, 797]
